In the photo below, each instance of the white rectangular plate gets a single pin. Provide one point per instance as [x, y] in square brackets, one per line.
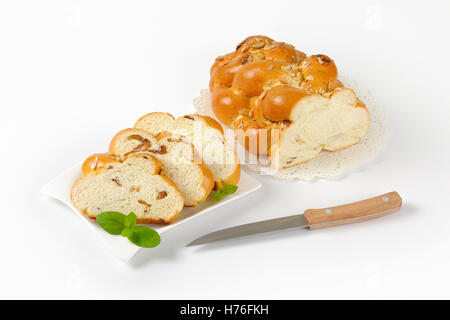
[59, 188]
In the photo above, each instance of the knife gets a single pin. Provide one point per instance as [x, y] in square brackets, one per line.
[368, 209]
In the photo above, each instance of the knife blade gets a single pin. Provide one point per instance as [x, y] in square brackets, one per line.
[368, 209]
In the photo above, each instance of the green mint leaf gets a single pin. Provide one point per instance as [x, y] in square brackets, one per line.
[130, 220]
[117, 223]
[127, 232]
[144, 237]
[112, 222]
[218, 195]
[229, 189]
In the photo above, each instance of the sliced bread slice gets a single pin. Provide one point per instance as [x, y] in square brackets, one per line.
[134, 184]
[178, 157]
[206, 134]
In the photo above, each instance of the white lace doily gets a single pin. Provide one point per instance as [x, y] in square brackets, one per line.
[326, 164]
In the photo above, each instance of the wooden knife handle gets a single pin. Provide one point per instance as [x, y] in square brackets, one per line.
[372, 208]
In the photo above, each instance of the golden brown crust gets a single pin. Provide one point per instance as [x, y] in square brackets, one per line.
[279, 101]
[254, 76]
[227, 104]
[264, 48]
[255, 88]
[97, 161]
[207, 120]
[207, 183]
[151, 113]
[235, 176]
[252, 134]
[223, 76]
[220, 61]
[319, 74]
[254, 48]
[283, 52]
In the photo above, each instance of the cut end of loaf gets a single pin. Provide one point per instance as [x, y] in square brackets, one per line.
[320, 123]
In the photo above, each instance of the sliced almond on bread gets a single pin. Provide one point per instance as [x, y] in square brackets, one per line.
[206, 134]
[134, 184]
[178, 157]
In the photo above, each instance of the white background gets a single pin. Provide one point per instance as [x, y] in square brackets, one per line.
[72, 73]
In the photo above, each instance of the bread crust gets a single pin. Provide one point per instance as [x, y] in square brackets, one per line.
[228, 104]
[95, 163]
[319, 74]
[254, 135]
[279, 101]
[260, 95]
[235, 176]
[153, 113]
[207, 183]
[206, 120]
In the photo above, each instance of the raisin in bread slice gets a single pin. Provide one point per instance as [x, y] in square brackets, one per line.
[206, 134]
[178, 157]
[134, 184]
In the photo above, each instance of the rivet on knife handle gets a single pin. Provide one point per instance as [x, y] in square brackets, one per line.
[372, 208]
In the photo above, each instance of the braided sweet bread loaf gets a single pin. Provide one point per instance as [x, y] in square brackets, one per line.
[283, 103]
